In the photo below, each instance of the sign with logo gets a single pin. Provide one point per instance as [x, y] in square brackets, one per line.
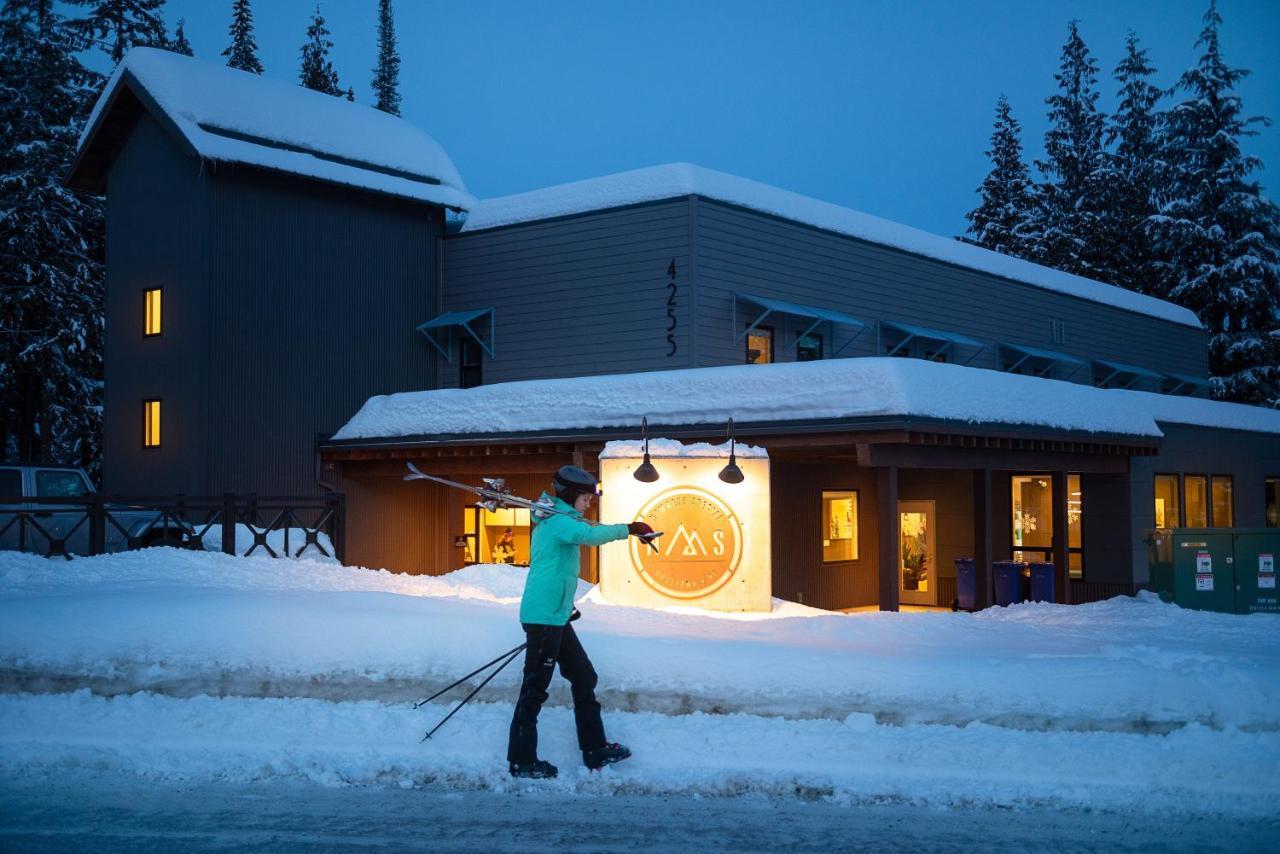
[714, 551]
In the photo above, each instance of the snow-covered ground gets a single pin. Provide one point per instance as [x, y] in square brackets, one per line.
[180, 666]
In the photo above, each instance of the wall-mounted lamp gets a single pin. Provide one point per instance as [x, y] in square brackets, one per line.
[646, 473]
[731, 473]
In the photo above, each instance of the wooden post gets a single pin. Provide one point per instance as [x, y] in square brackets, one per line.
[1060, 554]
[887, 536]
[982, 539]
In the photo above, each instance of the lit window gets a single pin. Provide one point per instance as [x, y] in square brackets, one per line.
[1195, 491]
[1075, 527]
[1168, 506]
[151, 423]
[1032, 516]
[839, 526]
[1223, 503]
[151, 322]
[760, 346]
[809, 348]
[1273, 502]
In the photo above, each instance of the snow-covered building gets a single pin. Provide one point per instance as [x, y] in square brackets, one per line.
[299, 255]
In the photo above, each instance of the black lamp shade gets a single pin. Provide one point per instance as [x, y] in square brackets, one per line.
[646, 473]
[731, 473]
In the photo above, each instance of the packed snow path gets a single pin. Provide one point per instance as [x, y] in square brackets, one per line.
[186, 624]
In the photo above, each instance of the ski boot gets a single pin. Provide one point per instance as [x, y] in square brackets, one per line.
[611, 752]
[538, 769]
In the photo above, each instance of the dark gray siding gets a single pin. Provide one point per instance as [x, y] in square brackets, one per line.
[583, 295]
[315, 291]
[745, 251]
[155, 231]
[1248, 457]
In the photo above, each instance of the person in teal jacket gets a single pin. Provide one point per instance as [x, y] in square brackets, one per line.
[546, 610]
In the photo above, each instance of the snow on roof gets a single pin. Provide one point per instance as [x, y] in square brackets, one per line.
[235, 116]
[674, 180]
[796, 391]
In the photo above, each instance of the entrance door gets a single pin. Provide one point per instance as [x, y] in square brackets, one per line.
[917, 560]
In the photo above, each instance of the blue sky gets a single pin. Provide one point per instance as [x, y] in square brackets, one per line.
[881, 106]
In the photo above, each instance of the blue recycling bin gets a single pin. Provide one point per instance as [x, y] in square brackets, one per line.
[1042, 582]
[966, 584]
[1007, 579]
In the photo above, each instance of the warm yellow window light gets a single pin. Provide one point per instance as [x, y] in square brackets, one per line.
[152, 313]
[151, 423]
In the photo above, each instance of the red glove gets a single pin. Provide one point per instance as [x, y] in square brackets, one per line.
[639, 529]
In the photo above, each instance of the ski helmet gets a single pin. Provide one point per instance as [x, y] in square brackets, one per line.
[571, 481]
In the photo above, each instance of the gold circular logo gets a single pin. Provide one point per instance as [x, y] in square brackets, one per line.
[700, 547]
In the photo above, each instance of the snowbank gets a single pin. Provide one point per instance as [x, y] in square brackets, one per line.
[231, 115]
[849, 760]
[674, 180]
[190, 623]
[794, 391]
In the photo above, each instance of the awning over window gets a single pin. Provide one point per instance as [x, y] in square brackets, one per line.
[1113, 370]
[1043, 361]
[464, 320]
[906, 333]
[1183, 384]
[768, 306]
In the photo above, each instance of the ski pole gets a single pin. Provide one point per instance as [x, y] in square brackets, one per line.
[421, 703]
[512, 657]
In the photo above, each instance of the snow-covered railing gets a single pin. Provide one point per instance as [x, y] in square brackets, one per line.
[246, 525]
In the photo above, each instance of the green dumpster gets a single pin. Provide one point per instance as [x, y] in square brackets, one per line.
[1256, 550]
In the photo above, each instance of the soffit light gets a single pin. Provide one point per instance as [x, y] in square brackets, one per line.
[646, 473]
[731, 473]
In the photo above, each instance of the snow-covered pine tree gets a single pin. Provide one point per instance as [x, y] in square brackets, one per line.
[1006, 219]
[1130, 170]
[317, 71]
[179, 43]
[118, 25]
[1073, 197]
[386, 76]
[1216, 238]
[51, 281]
[242, 53]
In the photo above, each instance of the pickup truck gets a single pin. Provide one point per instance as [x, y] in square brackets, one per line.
[31, 525]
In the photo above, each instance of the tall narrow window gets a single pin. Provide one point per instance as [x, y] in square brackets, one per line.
[1075, 526]
[151, 311]
[1168, 504]
[151, 424]
[1032, 516]
[472, 364]
[1195, 491]
[1224, 510]
[1273, 502]
[839, 526]
[760, 346]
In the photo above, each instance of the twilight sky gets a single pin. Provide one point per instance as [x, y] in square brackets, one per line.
[881, 106]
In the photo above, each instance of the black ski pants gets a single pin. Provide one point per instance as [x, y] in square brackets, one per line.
[549, 645]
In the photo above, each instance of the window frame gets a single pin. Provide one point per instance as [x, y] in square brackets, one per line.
[1208, 499]
[1213, 478]
[857, 528]
[746, 345]
[1177, 476]
[1047, 551]
[146, 309]
[821, 347]
[146, 423]
[465, 368]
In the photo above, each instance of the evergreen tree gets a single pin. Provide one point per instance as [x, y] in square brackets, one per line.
[1216, 237]
[1006, 219]
[179, 44]
[121, 24]
[1130, 171]
[386, 76]
[317, 71]
[1073, 197]
[242, 53]
[51, 279]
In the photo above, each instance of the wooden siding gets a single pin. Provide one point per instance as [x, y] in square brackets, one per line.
[745, 251]
[584, 295]
[156, 224]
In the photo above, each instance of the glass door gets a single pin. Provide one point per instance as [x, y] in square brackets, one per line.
[917, 558]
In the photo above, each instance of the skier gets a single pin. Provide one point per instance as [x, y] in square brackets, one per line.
[546, 610]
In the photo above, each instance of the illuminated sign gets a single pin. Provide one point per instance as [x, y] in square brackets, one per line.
[715, 548]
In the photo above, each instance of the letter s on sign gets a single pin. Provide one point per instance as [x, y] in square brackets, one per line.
[717, 537]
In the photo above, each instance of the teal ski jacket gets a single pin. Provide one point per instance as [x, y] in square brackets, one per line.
[553, 562]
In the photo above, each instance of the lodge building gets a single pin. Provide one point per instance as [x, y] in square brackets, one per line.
[302, 295]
